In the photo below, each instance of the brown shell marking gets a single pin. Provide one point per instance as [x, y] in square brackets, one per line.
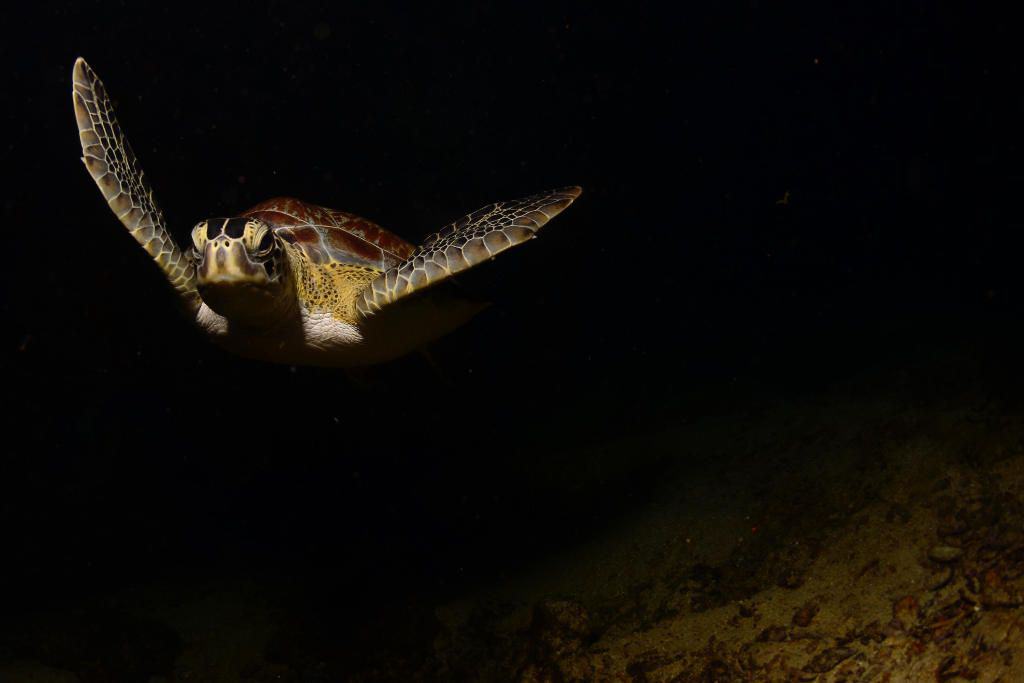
[329, 236]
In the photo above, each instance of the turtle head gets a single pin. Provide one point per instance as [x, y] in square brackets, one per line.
[239, 269]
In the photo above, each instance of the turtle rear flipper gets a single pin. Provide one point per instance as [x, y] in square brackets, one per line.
[111, 163]
[467, 242]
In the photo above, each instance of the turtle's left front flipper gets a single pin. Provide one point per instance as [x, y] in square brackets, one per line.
[466, 243]
[111, 163]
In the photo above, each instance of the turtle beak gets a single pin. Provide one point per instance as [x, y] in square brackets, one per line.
[228, 264]
[234, 286]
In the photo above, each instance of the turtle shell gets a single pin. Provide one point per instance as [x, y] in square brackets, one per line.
[326, 235]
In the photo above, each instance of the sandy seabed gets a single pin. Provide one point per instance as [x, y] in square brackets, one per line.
[869, 530]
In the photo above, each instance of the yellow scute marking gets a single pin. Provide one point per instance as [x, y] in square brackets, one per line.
[329, 287]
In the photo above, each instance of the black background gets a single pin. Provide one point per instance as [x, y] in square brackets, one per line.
[134, 449]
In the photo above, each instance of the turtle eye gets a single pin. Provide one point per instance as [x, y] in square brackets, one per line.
[265, 243]
[199, 235]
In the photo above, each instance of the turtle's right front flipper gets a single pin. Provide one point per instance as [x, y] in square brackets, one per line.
[111, 163]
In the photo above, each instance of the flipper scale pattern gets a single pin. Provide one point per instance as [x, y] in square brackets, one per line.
[467, 242]
[110, 161]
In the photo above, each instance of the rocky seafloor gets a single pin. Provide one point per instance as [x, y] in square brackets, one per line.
[869, 528]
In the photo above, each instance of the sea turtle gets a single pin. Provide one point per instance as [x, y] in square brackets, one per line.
[295, 283]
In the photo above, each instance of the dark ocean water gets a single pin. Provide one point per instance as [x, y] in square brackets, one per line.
[774, 198]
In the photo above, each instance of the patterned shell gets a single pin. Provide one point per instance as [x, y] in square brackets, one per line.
[325, 235]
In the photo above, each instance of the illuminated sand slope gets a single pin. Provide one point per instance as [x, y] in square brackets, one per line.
[867, 530]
